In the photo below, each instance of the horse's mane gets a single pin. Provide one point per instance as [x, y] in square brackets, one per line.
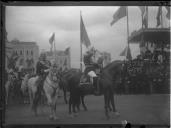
[71, 72]
[115, 62]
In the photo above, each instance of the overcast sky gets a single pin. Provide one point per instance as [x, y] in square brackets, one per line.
[30, 23]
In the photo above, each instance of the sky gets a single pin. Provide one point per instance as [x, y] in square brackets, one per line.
[31, 23]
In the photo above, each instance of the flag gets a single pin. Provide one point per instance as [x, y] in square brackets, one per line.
[142, 8]
[120, 13]
[123, 53]
[67, 50]
[158, 18]
[168, 12]
[145, 17]
[127, 53]
[83, 34]
[52, 38]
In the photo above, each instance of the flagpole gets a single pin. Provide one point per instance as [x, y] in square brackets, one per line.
[54, 49]
[127, 30]
[80, 46]
[161, 18]
[127, 26]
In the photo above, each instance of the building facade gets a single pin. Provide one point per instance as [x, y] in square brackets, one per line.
[61, 58]
[27, 52]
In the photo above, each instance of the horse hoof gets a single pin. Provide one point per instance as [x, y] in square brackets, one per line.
[117, 113]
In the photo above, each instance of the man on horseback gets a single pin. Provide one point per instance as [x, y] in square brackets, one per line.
[42, 68]
[90, 69]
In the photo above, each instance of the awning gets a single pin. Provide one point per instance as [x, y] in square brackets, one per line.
[154, 35]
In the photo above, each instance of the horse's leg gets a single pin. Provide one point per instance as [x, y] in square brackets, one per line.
[50, 103]
[65, 97]
[55, 103]
[112, 101]
[106, 104]
[34, 104]
[7, 90]
[30, 97]
[70, 103]
[83, 104]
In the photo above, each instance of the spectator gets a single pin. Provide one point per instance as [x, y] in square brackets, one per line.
[160, 58]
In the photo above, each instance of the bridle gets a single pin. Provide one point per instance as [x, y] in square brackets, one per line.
[49, 76]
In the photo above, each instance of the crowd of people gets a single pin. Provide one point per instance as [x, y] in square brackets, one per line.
[148, 73]
[42, 67]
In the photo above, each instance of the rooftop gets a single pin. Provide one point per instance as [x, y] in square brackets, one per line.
[154, 35]
[60, 53]
[23, 43]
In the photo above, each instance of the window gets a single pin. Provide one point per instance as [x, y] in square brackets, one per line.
[31, 52]
[20, 52]
[27, 52]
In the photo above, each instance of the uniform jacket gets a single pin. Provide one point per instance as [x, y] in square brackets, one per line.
[40, 67]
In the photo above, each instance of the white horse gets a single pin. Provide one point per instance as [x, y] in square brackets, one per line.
[24, 85]
[9, 84]
[51, 89]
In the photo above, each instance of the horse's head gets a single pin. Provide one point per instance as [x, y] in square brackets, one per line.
[54, 75]
[113, 70]
[24, 82]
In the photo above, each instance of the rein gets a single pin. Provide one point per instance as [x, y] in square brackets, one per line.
[50, 84]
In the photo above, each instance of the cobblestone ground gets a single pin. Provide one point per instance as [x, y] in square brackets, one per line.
[137, 109]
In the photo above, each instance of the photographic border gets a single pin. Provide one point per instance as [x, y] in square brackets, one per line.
[57, 3]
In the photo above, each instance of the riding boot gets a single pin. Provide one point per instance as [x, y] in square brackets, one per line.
[96, 85]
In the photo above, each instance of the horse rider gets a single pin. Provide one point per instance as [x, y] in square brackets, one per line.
[90, 69]
[20, 72]
[42, 68]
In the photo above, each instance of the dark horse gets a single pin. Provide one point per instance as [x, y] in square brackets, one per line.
[108, 80]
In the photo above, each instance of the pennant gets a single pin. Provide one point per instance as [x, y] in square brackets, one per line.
[83, 34]
[168, 12]
[52, 38]
[120, 13]
[127, 53]
[123, 53]
[158, 18]
[144, 15]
